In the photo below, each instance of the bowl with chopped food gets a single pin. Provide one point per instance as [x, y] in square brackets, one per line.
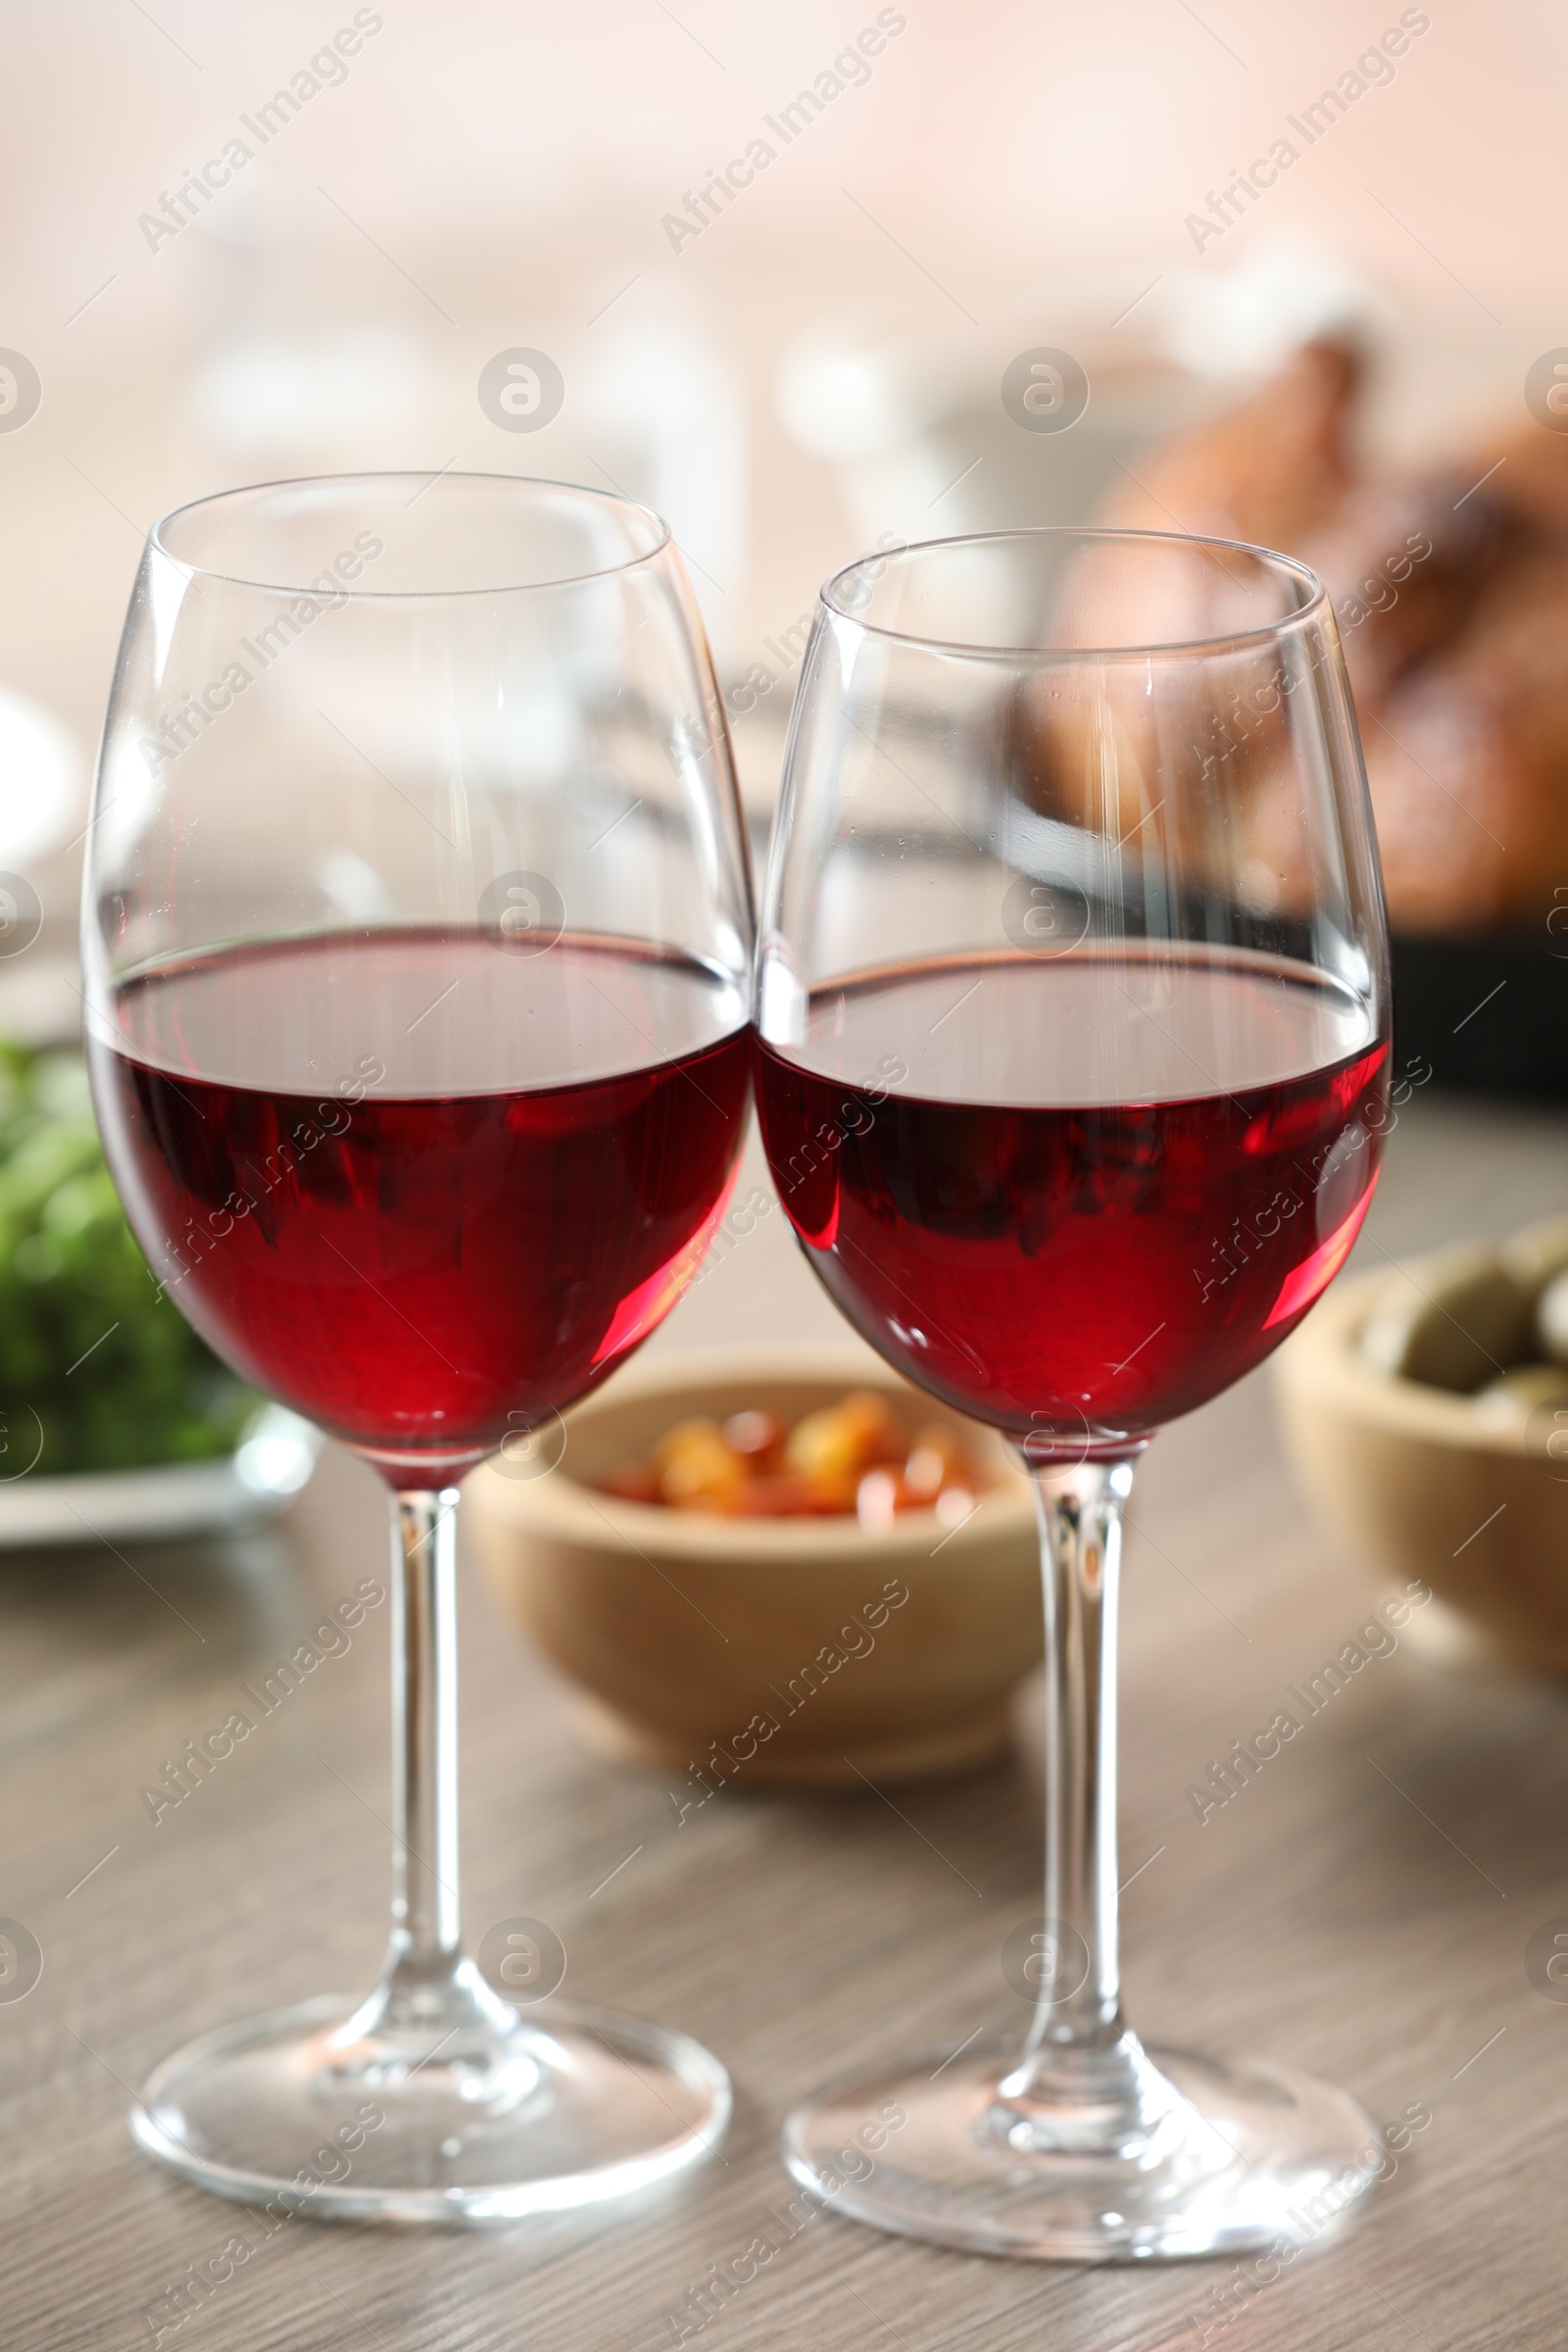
[781, 1567]
[1426, 1413]
[116, 1422]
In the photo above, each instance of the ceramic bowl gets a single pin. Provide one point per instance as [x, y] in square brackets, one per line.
[1423, 1484]
[807, 1651]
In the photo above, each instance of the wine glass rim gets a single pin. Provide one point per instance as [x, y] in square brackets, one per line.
[1310, 609]
[663, 540]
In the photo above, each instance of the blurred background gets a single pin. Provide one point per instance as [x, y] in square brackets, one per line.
[810, 278]
[767, 267]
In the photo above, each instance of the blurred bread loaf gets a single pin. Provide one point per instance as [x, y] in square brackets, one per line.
[1449, 586]
[1268, 471]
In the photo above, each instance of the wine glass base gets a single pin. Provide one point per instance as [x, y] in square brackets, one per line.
[572, 2107]
[1240, 2155]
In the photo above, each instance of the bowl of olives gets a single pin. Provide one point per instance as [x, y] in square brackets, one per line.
[1426, 1413]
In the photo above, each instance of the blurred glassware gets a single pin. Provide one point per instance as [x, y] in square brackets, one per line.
[660, 406]
[914, 421]
[42, 773]
[272, 397]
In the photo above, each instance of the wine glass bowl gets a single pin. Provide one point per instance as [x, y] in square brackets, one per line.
[329, 955]
[568, 1200]
[415, 931]
[1043, 852]
[1072, 1070]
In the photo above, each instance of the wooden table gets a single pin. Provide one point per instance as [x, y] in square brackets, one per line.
[1362, 1911]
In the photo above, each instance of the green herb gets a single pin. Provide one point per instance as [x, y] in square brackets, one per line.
[96, 1365]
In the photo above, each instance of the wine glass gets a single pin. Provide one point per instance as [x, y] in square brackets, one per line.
[415, 926]
[1072, 1000]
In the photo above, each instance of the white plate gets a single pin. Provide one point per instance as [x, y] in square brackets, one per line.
[269, 1466]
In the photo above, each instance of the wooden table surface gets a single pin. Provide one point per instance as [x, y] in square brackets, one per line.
[1363, 1911]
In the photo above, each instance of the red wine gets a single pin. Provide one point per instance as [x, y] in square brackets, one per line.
[1077, 1196]
[423, 1190]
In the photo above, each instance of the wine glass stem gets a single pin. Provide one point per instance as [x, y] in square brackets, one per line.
[1077, 2032]
[425, 1929]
